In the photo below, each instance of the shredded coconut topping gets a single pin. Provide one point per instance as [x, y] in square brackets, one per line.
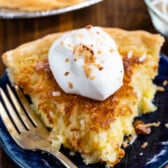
[56, 93]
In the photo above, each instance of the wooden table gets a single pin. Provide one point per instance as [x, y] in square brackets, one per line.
[112, 13]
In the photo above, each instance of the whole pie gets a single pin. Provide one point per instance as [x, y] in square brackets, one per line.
[95, 129]
[37, 5]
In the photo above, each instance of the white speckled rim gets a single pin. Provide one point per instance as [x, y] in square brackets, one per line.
[152, 8]
[12, 14]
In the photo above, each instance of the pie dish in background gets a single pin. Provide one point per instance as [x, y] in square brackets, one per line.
[10, 12]
[39, 5]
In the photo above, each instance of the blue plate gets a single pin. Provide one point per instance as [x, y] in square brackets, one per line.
[155, 155]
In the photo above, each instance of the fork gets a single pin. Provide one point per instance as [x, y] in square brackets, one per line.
[24, 126]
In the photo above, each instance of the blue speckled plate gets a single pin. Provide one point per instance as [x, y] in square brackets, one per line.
[155, 155]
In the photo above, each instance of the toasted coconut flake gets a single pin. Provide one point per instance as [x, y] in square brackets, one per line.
[66, 73]
[144, 145]
[56, 93]
[160, 89]
[129, 54]
[67, 60]
[141, 154]
[142, 58]
[89, 26]
[70, 85]
[165, 82]
[142, 128]
[166, 125]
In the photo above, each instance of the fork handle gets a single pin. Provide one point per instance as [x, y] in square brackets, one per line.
[62, 158]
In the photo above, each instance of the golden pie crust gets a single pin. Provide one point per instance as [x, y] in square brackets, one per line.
[92, 128]
[37, 5]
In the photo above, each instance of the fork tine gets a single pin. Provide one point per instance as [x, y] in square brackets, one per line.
[20, 110]
[30, 113]
[7, 121]
[11, 111]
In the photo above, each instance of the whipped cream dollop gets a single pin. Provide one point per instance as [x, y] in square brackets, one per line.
[86, 62]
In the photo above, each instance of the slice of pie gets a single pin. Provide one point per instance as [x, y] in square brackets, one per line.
[37, 5]
[95, 129]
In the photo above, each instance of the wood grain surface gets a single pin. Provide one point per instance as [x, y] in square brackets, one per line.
[130, 15]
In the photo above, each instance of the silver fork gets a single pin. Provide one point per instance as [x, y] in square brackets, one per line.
[24, 126]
